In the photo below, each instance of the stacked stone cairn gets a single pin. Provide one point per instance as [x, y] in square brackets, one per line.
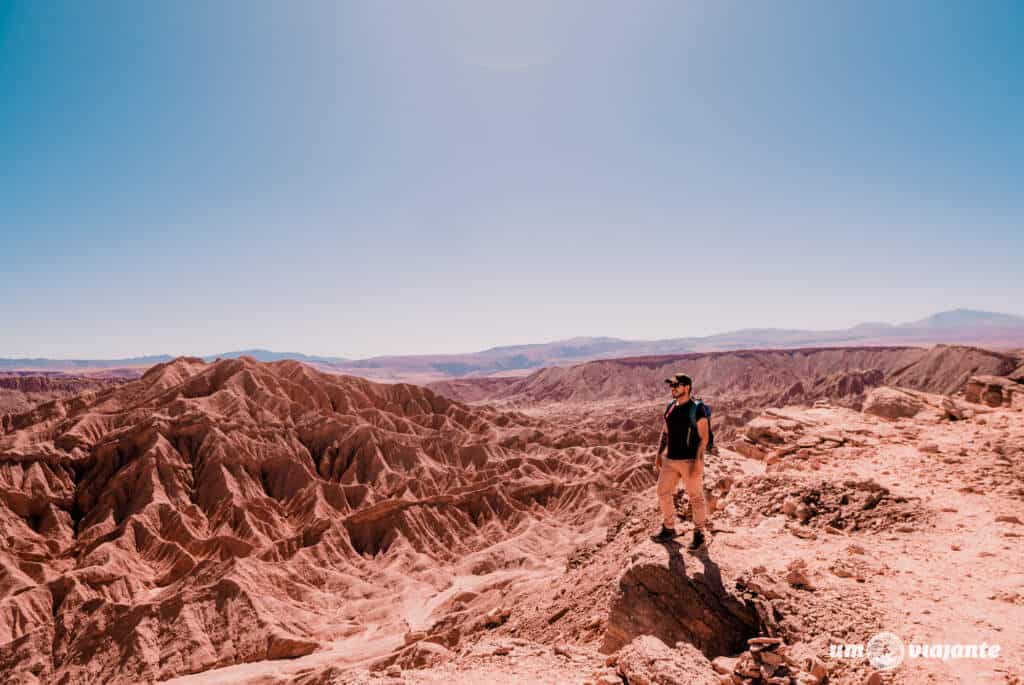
[767, 661]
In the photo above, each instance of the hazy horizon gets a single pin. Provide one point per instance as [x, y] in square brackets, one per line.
[360, 180]
[325, 355]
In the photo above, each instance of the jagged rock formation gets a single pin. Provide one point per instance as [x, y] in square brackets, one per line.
[736, 384]
[858, 524]
[768, 377]
[21, 391]
[211, 514]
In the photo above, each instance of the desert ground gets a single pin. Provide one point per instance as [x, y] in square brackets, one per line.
[269, 523]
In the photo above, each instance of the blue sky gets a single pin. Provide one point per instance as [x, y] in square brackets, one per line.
[363, 178]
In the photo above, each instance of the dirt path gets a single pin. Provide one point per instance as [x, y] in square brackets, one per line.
[957, 581]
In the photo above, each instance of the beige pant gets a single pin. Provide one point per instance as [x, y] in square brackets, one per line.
[692, 473]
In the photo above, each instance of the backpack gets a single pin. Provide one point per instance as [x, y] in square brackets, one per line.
[693, 420]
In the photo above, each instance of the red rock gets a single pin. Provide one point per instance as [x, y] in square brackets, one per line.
[649, 661]
[689, 606]
[994, 391]
[890, 403]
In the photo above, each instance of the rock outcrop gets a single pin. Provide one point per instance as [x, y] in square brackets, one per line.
[678, 597]
[649, 661]
[890, 403]
[944, 369]
[1017, 376]
[994, 391]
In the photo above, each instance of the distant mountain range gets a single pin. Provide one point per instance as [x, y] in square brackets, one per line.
[42, 364]
[958, 326]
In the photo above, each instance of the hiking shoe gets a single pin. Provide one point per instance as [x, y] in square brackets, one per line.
[698, 542]
[664, 535]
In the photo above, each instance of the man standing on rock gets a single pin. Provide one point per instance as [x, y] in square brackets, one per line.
[686, 436]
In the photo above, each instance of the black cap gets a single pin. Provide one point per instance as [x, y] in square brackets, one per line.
[680, 379]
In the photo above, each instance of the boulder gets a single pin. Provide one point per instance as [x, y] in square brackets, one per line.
[994, 391]
[1018, 375]
[761, 583]
[724, 664]
[497, 616]
[766, 431]
[816, 667]
[420, 654]
[748, 449]
[605, 676]
[955, 411]
[288, 647]
[414, 636]
[679, 598]
[797, 574]
[890, 403]
[423, 655]
[649, 661]
[789, 506]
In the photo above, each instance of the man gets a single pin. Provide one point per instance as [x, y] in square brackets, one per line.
[686, 437]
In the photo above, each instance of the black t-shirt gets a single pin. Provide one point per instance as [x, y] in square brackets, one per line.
[683, 438]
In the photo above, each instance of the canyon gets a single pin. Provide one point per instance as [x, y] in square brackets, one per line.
[266, 522]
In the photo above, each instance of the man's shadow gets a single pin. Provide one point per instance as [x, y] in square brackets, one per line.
[711, 573]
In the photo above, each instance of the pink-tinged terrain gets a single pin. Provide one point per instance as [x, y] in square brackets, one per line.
[22, 390]
[251, 522]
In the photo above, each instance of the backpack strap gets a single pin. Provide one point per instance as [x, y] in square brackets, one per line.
[693, 412]
[668, 409]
